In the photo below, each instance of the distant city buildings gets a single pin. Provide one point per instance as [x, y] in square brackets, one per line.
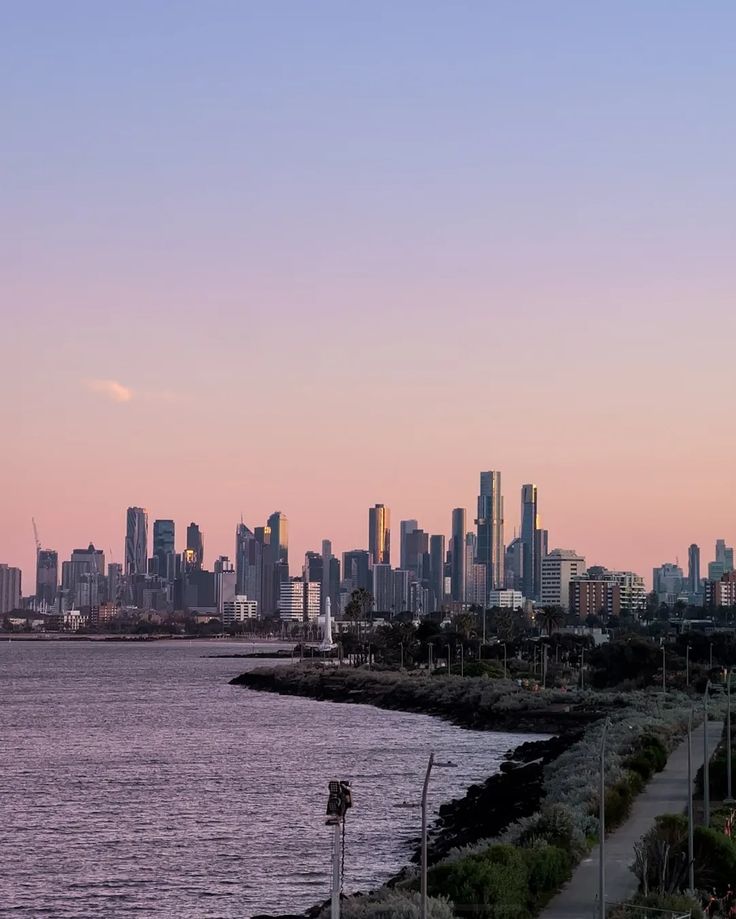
[559, 568]
[10, 589]
[136, 541]
[379, 534]
[490, 546]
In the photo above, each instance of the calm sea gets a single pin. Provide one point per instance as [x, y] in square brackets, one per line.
[134, 781]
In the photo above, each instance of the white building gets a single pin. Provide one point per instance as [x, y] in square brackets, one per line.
[225, 583]
[506, 599]
[239, 609]
[299, 600]
[558, 569]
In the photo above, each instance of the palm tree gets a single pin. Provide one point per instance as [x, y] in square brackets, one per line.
[552, 617]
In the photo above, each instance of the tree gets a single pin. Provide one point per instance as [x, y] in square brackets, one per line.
[552, 617]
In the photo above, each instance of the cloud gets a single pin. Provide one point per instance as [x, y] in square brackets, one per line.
[111, 389]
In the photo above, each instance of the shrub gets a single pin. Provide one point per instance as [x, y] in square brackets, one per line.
[488, 885]
[676, 903]
[391, 904]
[548, 867]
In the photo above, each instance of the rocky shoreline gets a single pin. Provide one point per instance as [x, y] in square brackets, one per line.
[486, 809]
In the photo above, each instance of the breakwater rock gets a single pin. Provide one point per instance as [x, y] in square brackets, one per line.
[478, 703]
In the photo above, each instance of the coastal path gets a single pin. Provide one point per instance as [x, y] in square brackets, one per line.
[665, 793]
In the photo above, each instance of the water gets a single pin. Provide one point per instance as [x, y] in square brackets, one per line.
[134, 781]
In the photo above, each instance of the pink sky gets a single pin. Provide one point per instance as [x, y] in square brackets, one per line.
[324, 260]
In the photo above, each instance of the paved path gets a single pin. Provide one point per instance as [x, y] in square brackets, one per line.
[666, 793]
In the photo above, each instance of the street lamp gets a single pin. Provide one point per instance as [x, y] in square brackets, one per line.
[582, 669]
[425, 789]
[602, 825]
[462, 661]
[690, 831]
[729, 796]
[706, 764]
[504, 661]
[664, 670]
[687, 665]
[339, 801]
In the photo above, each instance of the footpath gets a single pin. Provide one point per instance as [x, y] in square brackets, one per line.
[666, 793]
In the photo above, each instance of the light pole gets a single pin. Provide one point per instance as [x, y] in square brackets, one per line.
[690, 838]
[582, 669]
[710, 655]
[401, 651]
[687, 665]
[602, 830]
[338, 803]
[425, 789]
[706, 764]
[729, 795]
[544, 667]
[664, 670]
[484, 625]
[449, 665]
[462, 661]
[504, 661]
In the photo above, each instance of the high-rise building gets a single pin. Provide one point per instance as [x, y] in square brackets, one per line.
[723, 562]
[330, 579]
[225, 583]
[136, 541]
[437, 568]
[279, 527]
[383, 589]
[541, 550]
[85, 564]
[313, 569]
[457, 555]
[514, 564]
[668, 582]
[268, 601]
[595, 597]
[114, 581]
[47, 576]
[195, 546]
[406, 527]
[417, 546]
[529, 527]
[357, 570]
[164, 550]
[299, 600]
[248, 563]
[379, 534]
[558, 570]
[401, 591]
[489, 523]
[10, 589]
[693, 569]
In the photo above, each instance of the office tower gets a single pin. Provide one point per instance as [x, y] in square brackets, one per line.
[10, 589]
[136, 541]
[279, 527]
[529, 527]
[559, 567]
[457, 555]
[693, 569]
[194, 558]
[268, 603]
[406, 527]
[401, 591]
[514, 561]
[356, 569]
[541, 549]
[437, 568]
[383, 589]
[280, 577]
[47, 576]
[164, 550]
[114, 581]
[379, 534]
[489, 523]
[299, 601]
[417, 546]
[248, 564]
[83, 563]
[225, 583]
[326, 563]
[667, 582]
[723, 563]
[313, 569]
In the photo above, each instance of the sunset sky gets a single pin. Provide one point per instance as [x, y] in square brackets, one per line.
[309, 256]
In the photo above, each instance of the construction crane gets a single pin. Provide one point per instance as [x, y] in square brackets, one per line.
[35, 535]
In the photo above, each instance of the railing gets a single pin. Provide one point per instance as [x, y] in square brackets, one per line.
[632, 911]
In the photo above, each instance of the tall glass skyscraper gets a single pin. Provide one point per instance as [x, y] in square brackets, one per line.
[164, 548]
[379, 534]
[47, 576]
[195, 547]
[279, 537]
[136, 541]
[529, 527]
[489, 523]
[457, 554]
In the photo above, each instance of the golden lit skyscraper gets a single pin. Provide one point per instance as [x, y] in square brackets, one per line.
[379, 534]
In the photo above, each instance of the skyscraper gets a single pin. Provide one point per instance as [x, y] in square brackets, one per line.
[437, 568]
[356, 568]
[268, 601]
[195, 546]
[541, 549]
[279, 526]
[514, 564]
[406, 527]
[489, 523]
[10, 589]
[693, 569]
[164, 550]
[248, 564]
[47, 576]
[136, 541]
[379, 534]
[529, 526]
[457, 555]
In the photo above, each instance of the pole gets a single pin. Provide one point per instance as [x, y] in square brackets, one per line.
[664, 671]
[729, 795]
[401, 647]
[602, 829]
[544, 667]
[424, 836]
[690, 836]
[710, 656]
[462, 662]
[687, 665]
[582, 669]
[706, 764]
[484, 626]
[504, 661]
[449, 664]
[335, 904]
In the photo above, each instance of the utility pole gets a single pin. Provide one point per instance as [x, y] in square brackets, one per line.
[690, 831]
[729, 795]
[339, 801]
[424, 835]
[602, 828]
[706, 763]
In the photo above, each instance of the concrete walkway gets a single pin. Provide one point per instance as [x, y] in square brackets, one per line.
[666, 793]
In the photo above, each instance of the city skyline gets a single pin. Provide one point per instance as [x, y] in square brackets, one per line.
[423, 220]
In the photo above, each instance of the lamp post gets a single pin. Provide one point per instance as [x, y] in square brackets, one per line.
[484, 625]
[582, 669]
[602, 827]
[504, 661]
[401, 651]
[690, 831]
[687, 665]
[664, 670]
[706, 764]
[710, 655]
[462, 661]
[425, 789]
[338, 803]
[729, 795]
[449, 665]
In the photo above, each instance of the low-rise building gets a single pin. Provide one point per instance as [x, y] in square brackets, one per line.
[558, 570]
[505, 599]
[239, 609]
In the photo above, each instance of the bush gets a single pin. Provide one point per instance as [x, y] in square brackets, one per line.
[618, 802]
[676, 903]
[391, 904]
[488, 885]
[549, 867]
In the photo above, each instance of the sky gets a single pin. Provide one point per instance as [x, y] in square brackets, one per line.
[313, 256]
